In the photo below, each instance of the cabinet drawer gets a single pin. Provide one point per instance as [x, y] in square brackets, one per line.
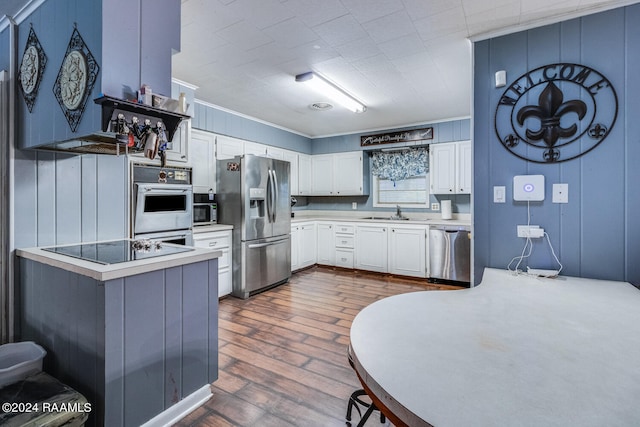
[345, 229]
[223, 261]
[344, 241]
[344, 258]
[217, 242]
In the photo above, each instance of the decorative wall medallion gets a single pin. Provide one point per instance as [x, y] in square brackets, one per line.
[556, 113]
[31, 69]
[76, 79]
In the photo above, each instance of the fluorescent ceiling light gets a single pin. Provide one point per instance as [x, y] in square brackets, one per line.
[325, 87]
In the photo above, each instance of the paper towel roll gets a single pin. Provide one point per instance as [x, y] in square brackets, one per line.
[445, 207]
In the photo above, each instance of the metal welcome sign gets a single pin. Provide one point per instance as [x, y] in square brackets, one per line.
[556, 113]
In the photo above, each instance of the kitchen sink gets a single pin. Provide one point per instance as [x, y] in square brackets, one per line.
[386, 218]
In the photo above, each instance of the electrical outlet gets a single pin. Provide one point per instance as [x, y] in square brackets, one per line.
[435, 206]
[531, 231]
[354, 205]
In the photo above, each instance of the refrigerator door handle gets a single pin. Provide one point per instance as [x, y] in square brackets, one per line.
[263, 245]
[269, 200]
[275, 195]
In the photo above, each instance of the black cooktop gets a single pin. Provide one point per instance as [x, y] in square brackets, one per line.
[118, 251]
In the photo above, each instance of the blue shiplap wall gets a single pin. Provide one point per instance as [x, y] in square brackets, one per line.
[5, 47]
[597, 233]
[65, 199]
[53, 23]
[209, 118]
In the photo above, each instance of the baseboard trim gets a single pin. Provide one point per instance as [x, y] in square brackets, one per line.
[175, 413]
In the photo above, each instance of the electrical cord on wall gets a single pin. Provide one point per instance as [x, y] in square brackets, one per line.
[528, 245]
[553, 253]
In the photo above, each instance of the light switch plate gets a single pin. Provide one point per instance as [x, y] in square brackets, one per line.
[435, 206]
[560, 193]
[499, 194]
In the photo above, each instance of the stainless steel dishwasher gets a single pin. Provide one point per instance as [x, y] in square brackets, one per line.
[450, 253]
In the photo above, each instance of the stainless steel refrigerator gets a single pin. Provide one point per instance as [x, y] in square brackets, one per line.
[253, 195]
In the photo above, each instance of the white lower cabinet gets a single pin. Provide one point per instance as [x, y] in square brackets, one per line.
[382, 247]
[407, 251]
[220, 241]
[303, 245]
[344, 238]
[295, 245]
[326, 253]
[371, 248]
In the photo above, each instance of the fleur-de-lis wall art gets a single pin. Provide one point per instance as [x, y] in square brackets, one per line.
[556, 113]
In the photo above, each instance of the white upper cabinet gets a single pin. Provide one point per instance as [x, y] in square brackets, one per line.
[348, 176]
[228, 148]
[322, 174]
[465, 161]
[450, 167]
[177, 149]
[338, 174]
[304, 175]
[292, 158]
[203, 161]
[255, 148]
[275, 152]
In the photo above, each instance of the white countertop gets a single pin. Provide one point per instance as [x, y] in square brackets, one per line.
[102, 272]
[380, 218]
[198, 229]
[514, 350]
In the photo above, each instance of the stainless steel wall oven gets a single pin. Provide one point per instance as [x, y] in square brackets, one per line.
[162, 204]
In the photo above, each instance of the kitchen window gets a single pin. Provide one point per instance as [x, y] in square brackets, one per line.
[401, 178]
[412, 192]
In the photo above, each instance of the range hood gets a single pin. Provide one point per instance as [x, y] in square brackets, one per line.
[105, 141]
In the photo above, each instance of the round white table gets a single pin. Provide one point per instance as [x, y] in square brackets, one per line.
[514, 350]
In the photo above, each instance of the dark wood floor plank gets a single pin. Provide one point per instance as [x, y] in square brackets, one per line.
[277, 367]
[281, 387]
[283, 353]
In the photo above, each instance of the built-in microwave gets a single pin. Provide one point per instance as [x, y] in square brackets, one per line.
[205, 210]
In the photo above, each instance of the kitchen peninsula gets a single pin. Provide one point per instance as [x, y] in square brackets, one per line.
[137, 337]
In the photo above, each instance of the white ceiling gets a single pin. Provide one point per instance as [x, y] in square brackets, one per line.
[409, 61]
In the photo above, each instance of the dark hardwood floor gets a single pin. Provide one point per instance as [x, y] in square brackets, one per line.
[283, 353]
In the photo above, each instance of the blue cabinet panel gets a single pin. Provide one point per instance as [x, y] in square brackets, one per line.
[68, 206]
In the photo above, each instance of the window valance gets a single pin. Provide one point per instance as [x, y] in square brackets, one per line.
[399, 165]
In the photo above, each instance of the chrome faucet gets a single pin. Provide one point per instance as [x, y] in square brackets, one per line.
[398, 212]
